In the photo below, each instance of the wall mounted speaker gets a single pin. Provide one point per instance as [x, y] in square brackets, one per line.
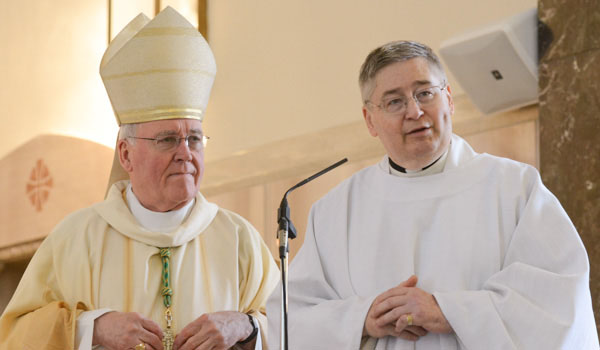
[497, 65]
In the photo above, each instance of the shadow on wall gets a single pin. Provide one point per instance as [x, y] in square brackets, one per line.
[10, 275]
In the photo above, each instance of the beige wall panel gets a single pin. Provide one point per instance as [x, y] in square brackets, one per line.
[518, 142]
[259, 204]
[248, 201]
[287, 68]
[51, 52]
[43, 181]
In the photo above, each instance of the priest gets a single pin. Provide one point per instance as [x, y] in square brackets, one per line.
[155, 265]
[436, 246]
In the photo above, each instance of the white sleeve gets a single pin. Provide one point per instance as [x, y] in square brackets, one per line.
[258, 345]
[540, 299]
[85, 328]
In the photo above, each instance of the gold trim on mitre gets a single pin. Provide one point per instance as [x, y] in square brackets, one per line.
[154, 71]
[163, 114]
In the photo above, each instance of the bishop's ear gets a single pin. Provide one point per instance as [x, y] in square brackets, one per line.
[123, 147]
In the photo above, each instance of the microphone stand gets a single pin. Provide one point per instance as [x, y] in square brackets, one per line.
[286, 229]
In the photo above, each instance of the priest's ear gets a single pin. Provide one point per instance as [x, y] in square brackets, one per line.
[449, 99]
[368, 115]
[124, 149]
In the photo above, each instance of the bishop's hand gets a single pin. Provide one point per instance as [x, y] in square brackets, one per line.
[124, 330]
[216, 331]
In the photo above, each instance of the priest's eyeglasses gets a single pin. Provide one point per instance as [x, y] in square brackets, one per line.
[398, 104]
[170, 142]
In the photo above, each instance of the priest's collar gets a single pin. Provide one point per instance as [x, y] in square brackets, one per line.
[157, 221]
[436, 167]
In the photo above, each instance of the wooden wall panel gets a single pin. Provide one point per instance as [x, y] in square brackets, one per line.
[43, 181]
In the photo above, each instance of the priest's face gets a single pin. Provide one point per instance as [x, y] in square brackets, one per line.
[410, 111]
[164, 178]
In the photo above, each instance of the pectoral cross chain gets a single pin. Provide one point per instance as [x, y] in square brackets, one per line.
[168, 337]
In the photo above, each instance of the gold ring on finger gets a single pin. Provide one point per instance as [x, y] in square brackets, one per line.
[140, 346]
[409, 319]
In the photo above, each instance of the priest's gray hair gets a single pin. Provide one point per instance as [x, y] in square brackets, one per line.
[395, 51]
[127, 130]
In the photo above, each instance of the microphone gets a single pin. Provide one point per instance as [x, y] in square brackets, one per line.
[283, 213]
[286, 229]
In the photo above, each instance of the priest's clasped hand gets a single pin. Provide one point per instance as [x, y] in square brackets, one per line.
[405, 311]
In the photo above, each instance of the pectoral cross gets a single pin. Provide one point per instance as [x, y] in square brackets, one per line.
[168, 336]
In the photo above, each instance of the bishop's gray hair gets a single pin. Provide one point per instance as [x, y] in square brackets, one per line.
[127, 130]
[395, 51]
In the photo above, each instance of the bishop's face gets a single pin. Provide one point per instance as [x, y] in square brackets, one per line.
[163, 180]
[421, 132]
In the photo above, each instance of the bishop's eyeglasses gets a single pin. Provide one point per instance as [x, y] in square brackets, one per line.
[170, 142]
[397, 104]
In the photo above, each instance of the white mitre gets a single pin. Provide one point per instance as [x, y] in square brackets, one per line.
[157, 69]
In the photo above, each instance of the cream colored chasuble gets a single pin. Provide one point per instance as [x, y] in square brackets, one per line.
[138, 249]
[150, 220]
[102, 258]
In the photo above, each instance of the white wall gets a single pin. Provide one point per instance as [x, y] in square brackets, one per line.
[50, 53]
[286, 68]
